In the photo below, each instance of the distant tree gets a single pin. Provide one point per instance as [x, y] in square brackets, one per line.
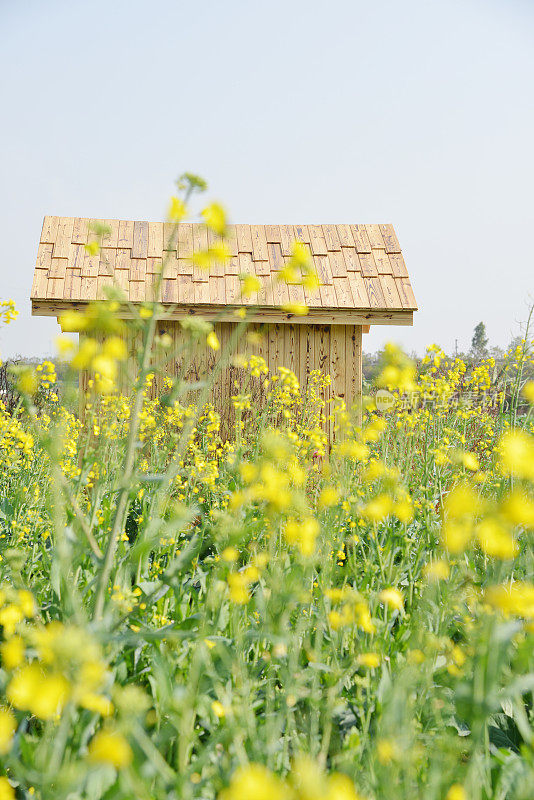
[515, 342]
[479, 342]
[497, 353]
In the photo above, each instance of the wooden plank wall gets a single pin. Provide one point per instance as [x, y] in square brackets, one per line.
[333, 349]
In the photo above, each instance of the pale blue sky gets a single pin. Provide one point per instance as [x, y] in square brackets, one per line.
[415, 112]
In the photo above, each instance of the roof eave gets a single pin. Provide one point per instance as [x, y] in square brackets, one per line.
[318, 316]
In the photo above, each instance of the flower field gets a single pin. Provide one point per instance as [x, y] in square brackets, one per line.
[262, 616]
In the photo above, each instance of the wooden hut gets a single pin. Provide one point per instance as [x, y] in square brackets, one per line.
[363, 278]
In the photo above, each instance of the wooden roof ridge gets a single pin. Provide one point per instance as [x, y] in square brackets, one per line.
[360, 266]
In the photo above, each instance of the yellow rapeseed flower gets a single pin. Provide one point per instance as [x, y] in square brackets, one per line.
[328, 497]
[110, 747]
[230, 554]
[342, 618]
[528, 391]
[218, 709]
[462, 501]
[212, 341]
[299, 309]
[96, 703]
[456, 792]
[456, 535]
[517, 598]
[250, 284]
[470, 461]
[26, 602]
[64, 346]
[254, 782]
[52, 694]
[369, 660]
[437, 570]
[238, 588]
[6, 790]
[300, 254]
[214, 216]
[73, 321]
[27, 381]
[10, 616]
[495, 540]
[105, 367]
[518, 509]
[403, 510]
[303, 534]
[311, 281]
[12, 651]
[387, 751]
[392, 598]
[177, 210]
[308, 778]
[92, 248]
[115, 347]
[8, 727]
[517, 454]
[32, 690]
[340, 787]
[378, 508]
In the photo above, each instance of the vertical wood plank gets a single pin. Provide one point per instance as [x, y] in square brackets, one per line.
[274, 343]
[337, 371]
[337, 360]
[301, 346]
[290, 348]
[351, 365]
[306, 354]
[322, 358]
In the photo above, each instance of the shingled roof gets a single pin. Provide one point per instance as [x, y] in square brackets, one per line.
[360, 267]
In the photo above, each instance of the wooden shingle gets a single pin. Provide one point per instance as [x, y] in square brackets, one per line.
[360, 267]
